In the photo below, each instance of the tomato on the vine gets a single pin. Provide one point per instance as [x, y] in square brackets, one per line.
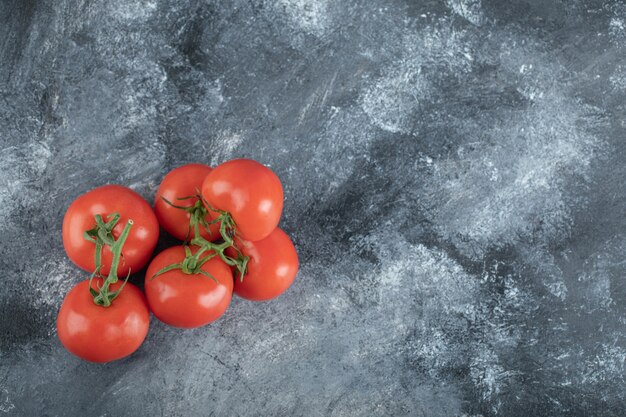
[272, 267]
[250, 192]
[105, 201]
[181, 182]
[188, 300]
[103, 334]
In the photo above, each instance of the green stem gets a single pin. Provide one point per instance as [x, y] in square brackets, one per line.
[101, 235]
[198, 213]
[103, 296]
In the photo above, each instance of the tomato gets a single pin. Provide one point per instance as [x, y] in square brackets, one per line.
[187, 300]
[105, 200]
[272, 267]
[250, 192]
[103, 334]
[183, 181]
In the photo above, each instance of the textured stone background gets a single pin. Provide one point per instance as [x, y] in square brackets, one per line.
[455, 185]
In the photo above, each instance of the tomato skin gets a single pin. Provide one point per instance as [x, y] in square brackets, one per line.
[250, 192]
[103, 334]
[272, 267]
[180, 182]
[184, 300]
[105, 200]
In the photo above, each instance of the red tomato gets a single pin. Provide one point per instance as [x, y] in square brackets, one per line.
[187, 300]
[103, 334]
[272, 267]
[105, 200]
[250, 192]
[183, 181]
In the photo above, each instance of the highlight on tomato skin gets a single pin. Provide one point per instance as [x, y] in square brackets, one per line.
[272, 267]
[103, 334]
[181, 182]
[187, 300]
[107, 200]
[250, 192]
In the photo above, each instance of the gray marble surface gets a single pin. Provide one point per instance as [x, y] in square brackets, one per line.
[455, 185]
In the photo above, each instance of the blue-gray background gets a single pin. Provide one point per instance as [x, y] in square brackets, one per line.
[455, 185]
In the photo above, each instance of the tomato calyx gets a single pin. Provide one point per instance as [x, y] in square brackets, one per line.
[192, 264]
[228, 231]
[102, 235]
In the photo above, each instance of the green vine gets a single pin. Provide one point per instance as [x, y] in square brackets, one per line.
[228, 231]
[102, 235]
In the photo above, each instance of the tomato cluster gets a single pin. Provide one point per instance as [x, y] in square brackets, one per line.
[227, 218]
